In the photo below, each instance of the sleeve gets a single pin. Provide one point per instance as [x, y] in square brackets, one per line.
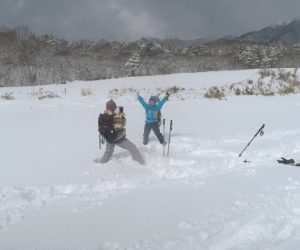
[142, 101]
[162, 102]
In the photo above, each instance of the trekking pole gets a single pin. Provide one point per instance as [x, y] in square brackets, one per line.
[171, 127]
[164, 136]
[100, 141]
[260, 131]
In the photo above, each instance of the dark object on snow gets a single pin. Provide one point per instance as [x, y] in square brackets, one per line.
[260, 131]
[288, 162]
[246, 161]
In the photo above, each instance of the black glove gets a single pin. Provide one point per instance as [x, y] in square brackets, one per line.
[286, 161]
[167, 95]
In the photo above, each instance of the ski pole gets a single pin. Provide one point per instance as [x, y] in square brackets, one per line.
[171, 127]
[259, 131]
[100, 141]
[164, 136]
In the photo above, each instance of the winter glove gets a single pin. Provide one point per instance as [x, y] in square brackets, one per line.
[286, 161]
[167, 95]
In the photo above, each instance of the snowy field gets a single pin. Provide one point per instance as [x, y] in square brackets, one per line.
[54, 196]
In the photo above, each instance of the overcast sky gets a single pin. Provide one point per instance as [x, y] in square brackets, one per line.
[132, 19]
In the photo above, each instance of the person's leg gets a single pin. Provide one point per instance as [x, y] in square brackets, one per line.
[147, 130]
[135, 153]
[155, 128]
[108, 152]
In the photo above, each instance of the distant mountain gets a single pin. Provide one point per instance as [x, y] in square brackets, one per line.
[286, 33]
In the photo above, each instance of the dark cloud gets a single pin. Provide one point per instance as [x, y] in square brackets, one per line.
[132, 19]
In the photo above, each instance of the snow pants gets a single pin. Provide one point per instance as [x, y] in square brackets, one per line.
[125, 144]
[155, 127]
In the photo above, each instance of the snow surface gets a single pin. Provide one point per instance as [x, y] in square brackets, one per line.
[53, 195]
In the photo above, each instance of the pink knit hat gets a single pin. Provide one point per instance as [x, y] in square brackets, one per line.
[111, 105]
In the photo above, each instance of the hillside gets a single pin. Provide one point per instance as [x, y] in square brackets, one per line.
[28, 60]
[285, 33]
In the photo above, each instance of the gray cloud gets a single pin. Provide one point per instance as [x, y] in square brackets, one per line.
[132, 19]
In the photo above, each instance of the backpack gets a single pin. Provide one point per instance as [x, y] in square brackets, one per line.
[105, 127]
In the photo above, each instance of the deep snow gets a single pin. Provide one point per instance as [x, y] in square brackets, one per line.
[53, 195]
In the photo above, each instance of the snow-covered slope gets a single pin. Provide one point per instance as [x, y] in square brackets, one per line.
[53, 195]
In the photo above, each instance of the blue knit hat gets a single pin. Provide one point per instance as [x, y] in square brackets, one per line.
[154, 98]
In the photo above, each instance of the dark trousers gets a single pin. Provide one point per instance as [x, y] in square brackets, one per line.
[125, 144]
[155, 127]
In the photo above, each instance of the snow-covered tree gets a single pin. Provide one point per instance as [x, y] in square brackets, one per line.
[258, 55]
[133, 64]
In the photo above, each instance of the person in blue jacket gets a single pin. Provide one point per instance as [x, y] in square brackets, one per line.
[153, 117]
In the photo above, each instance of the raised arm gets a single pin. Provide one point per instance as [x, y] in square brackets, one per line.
[163, 101]
[142, 101]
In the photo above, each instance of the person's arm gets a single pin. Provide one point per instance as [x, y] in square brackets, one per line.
[142, 101]
[163, 101]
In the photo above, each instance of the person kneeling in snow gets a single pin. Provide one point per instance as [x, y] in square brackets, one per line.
[111, 125]
[153, 117]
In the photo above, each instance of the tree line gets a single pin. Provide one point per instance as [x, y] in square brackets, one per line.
[28, 59]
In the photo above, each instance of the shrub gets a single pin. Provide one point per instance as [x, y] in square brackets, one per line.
[8, 96]
[266, 92]
[265, 73]
[42, 94]
[248, 91]
[47, 95]
[237, 92]
[287, 89]
[284, 76]
[174, 90]
[86, 92]
[215, 92]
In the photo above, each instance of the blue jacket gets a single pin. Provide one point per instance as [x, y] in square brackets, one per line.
[152, 110]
